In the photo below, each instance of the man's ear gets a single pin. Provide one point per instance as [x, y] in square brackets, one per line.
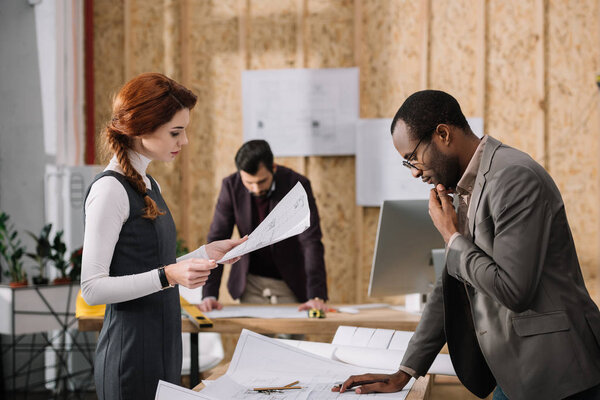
[274, 167]
[444, 134]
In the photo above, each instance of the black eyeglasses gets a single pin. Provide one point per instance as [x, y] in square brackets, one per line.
[406, 162]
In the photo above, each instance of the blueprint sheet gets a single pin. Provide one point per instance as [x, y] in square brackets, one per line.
[246, 311]
[260, 361]
[168, 391]
[290, 217]
[302, 112]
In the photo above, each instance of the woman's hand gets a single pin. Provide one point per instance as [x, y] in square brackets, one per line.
[216, 250]
[191, 273]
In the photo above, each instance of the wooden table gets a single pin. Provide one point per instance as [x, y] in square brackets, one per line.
[419, 391]
[383, 318]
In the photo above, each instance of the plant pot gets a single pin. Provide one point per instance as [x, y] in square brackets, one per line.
[18, 284]
[59, 281]
[39, 280]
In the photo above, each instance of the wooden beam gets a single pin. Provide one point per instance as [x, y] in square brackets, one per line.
[244, 31]
[127, 40]
[301, 7]
[88, 54]
[481, 69]
[541, 77]
[186, 80]
[358, 210]
[425, 21]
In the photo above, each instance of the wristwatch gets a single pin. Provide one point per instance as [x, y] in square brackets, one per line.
[164, 282]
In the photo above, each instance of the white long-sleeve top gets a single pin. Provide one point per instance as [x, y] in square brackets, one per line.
[106, 210]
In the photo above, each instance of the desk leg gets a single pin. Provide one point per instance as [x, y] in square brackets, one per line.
[194, 367]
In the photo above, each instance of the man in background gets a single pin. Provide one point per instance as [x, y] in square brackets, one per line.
[289, 271]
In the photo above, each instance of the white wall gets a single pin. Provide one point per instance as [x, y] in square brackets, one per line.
[22, 156]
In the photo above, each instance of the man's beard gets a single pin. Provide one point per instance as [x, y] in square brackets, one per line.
[446, 168]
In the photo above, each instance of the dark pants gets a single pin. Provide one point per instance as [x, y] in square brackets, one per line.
[592, 393]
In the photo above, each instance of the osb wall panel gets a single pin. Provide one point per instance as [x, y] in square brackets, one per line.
[514, 111]
[171, 37]
[454, 69]
[390, 57]
[329, 43]
[272, 34]
[147, 35]
[574, 58]
[144, 37]
[329, 34]
[108, 66]
[390, 52]
[215, 131]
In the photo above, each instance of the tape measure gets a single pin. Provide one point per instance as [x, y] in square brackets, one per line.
[316, 313]
[195, 315]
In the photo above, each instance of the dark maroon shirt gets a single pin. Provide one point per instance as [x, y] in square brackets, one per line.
[261, 260]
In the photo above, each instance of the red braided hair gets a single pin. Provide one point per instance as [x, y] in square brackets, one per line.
[145, 103]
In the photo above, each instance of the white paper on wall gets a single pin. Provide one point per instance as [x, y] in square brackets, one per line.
[302, 112]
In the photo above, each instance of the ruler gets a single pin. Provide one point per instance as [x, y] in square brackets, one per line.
[195, 315]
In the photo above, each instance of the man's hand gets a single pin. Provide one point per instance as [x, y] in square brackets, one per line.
[382, 383]
[313, 303]
[209, 304]
[216, 250]
[442, 212]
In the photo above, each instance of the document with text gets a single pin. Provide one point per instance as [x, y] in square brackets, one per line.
[262, 362]
[290, 217]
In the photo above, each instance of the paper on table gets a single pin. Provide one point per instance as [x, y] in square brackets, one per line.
[257, 312]
[290, 217]
[168, 391]
[280, 364]
[388, 359]
[355, 309]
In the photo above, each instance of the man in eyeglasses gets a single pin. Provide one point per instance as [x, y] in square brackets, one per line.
[289, 271]
[511, 303]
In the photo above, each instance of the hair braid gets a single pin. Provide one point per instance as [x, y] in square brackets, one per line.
[141, 107]
[119, 144]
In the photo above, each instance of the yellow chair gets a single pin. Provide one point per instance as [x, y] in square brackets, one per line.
[83, 309]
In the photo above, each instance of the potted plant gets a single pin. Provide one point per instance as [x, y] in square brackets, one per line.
[75, 259]
[42, 253]
[57, 255]
[12, 252]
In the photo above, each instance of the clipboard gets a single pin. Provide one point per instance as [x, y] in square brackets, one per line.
[195, 315]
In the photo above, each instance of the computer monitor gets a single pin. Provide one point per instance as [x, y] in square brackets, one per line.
[403, 260]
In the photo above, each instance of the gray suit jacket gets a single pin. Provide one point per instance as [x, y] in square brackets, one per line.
[512, 303]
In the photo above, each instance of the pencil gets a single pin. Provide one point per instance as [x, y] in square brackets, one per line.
[277, 388]
[288, 386]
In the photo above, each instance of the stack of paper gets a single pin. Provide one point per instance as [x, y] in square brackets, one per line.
[260, 361]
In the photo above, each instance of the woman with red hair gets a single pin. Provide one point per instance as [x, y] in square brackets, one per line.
[129, 244]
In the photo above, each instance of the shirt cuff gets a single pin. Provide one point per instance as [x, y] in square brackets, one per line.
[409, 371]
[454, 236]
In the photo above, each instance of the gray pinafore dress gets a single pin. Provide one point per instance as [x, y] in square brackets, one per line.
[140, 341]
